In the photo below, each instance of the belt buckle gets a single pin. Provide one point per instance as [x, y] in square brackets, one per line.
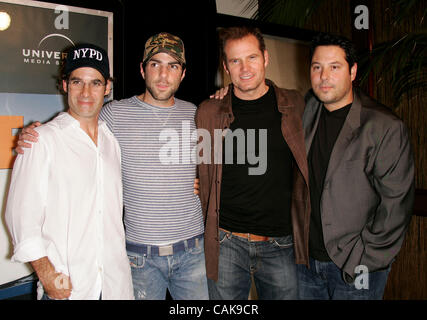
[166, 250]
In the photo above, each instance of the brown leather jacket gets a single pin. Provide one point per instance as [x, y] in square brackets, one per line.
[217, 114]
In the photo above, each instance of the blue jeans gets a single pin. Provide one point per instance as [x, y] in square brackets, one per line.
[271, 263]
[46, 297]
[183, 273]
[325, 281]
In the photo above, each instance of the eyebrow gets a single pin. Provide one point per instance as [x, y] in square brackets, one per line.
[77, 78]
[170, 63]
[247, 56]
[333, 62]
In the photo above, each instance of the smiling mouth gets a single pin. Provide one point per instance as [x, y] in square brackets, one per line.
[85, 103]
[247, 77]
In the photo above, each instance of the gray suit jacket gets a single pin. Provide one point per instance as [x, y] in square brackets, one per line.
[368, 191]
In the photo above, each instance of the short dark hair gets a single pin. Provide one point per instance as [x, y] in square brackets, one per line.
[235, 33]
[327, 39]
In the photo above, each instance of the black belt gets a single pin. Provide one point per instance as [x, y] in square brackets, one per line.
[165, 250]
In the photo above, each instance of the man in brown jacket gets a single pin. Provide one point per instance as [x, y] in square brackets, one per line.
[257, 218]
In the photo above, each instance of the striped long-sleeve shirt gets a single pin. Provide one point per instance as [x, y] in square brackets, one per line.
[157, 169]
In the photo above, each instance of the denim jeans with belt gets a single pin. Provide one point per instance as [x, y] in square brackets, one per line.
[271, 263]
[325, 281]
[182, 272]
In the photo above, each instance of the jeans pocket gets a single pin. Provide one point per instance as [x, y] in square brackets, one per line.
[136, 261]
[197, 250]
[223, 236]
[283, 242]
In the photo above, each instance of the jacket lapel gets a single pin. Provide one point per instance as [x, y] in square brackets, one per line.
[311, 120]
[292, 130]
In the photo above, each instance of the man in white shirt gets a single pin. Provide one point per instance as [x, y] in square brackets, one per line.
[64, 209]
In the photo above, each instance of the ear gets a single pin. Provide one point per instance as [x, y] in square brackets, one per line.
[183, 74]
[225, 67]
[266, 58]
[107, 88]
[64, 85]
[142, 70]
[353, 71]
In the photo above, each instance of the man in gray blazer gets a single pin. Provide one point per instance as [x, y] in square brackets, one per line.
[361, 174]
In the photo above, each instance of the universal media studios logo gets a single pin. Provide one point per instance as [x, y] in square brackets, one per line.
[49, 57]
[39, 56]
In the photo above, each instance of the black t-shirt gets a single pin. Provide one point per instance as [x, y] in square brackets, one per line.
[257, 204]
[328, 129]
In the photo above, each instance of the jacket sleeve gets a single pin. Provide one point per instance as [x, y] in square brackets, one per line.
[393, 179]
[202, 173]
[299, 102]
[25, 210]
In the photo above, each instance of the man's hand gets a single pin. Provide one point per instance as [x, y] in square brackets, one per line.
[56, 285]
[220, 94]
[27, 133]
[196, 186]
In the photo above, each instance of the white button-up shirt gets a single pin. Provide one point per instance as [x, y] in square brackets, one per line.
[65, 202]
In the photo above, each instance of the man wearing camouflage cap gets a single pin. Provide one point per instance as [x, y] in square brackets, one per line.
[163, 216]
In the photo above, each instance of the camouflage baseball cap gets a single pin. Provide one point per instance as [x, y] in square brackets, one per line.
[164, 42]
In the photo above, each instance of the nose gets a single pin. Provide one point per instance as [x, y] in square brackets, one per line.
[163, 72]
[324, 74]
[244, 66]
[85, 90]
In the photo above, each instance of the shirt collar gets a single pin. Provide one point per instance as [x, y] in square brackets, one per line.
[66, 120]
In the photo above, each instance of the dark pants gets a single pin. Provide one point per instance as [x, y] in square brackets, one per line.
[325, 281]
